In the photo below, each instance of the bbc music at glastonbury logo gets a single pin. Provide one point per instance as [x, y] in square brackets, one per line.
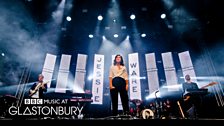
[46, 107]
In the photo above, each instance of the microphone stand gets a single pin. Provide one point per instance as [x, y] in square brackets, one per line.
[157, 104]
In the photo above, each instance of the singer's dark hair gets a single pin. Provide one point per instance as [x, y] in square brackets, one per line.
[122, 61]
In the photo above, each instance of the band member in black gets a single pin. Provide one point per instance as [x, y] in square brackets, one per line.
[119, 85]
[37, 90]
[191, 102]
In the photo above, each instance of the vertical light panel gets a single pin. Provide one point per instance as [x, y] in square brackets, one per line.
[134, 76]
[63, 74]
[48, 68]
[186, 65]
[170, 72]
[80, 73]
[98, 74]
[152, 72]
[113, 56]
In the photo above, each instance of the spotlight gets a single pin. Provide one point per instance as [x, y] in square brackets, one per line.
[90, 77]
[104, 38]
[68, 18]
[3, 54]
[170, 26]
[84, 10]
[90, 36]
[115, 35]
[100, 17]
[144, 9]
[132, 17]
[163, 16]
[107, 28]
[143, 35]
[123, 27]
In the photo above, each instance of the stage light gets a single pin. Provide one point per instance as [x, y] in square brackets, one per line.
[104, 38]
[68, 18]
[100, 18]
[144, 9]
[84, 10]
[107, 28]
[132, 17]
[90, 77]
[155, 94]
[170, 26]
[163, 16]
[143, 35]
[123, 27]
[116, 35]
[90, 36]
[3, 54]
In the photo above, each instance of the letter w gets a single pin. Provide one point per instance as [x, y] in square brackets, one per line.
[133, 65]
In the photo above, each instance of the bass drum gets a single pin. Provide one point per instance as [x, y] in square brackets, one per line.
[147, 114]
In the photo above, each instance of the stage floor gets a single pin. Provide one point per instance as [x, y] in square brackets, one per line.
[120, 117]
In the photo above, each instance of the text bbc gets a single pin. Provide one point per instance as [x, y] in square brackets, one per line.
[33, 101]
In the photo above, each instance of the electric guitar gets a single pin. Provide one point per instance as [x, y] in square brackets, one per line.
[187, 97]
[33, 92]
[181, 110]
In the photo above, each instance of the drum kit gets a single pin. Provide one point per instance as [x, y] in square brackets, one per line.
[154, 110]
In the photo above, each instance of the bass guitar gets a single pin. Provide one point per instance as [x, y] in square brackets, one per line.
[187, 97]
[33, 92]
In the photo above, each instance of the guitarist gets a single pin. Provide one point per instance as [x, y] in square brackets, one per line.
[191, 103]
[37, 90]
[193, 100]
